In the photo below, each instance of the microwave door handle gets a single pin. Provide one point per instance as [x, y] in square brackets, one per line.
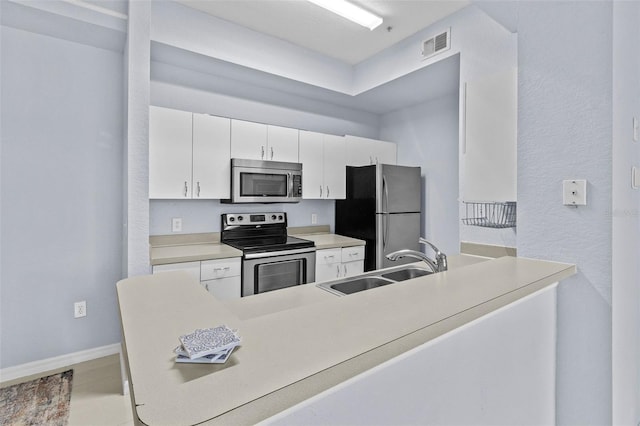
[290, 181]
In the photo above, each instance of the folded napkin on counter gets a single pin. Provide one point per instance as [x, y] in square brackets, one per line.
[207, 345]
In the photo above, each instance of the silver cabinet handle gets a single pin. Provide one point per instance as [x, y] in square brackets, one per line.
[328, 257]
[337, 271]
[226, 268]
[327, 191]
[370, 160]
[206, 286]
[272, 153]
[198, 190]
[262, 152]
[345, 269]
[186, 189]
[320, 191]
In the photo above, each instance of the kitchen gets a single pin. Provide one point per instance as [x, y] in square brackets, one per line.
[545, 227]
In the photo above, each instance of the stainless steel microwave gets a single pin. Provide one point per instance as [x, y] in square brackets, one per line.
[257, 181]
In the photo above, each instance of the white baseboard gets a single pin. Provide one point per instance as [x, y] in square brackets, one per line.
[41, 366]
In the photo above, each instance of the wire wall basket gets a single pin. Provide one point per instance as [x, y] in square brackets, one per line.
[490, 215]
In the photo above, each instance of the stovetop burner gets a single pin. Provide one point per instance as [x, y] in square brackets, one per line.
[259, 232]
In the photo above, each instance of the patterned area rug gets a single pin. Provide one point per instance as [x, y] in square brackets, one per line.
[43, 401]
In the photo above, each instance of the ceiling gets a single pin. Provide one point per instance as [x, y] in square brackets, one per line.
[307, 25]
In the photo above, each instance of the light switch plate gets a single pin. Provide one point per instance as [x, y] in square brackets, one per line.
[574, 192]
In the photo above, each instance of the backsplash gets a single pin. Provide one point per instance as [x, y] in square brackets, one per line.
[204, 215]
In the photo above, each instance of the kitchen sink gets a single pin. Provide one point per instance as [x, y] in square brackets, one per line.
[406, 274]
[355, 285]
[373, 279]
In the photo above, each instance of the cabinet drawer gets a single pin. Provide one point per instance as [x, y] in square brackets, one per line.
[328, 256]
[351, 254]
[193, 268]
[220, 268]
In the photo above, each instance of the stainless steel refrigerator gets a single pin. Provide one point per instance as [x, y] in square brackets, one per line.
[382, 207]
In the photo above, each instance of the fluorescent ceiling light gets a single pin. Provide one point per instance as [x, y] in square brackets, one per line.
[351, 12]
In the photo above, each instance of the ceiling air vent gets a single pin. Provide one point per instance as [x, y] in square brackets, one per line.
[436, 44]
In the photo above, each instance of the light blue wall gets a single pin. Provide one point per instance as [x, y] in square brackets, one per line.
[427, 136]
[625, 216]
[565, 132]
[61, 186]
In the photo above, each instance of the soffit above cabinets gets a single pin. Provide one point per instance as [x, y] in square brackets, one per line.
[307, 25]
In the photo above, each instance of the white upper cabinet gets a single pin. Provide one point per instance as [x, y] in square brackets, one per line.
[282, 144]
[258, 141]
[189, 155]
[490, 144]
[211, 157]
[310, 154]
[170, 153]
[323, 166]
[248, 140]
[335, 167]
[365, 151]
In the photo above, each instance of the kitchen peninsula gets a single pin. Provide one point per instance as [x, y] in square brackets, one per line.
[305, 351]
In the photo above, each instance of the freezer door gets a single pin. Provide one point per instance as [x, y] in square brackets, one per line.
[396, 231]
[399, 189]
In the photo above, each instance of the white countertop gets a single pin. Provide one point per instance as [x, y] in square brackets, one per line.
[202, 250]
[298, 341]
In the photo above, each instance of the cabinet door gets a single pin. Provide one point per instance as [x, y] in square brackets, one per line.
[248, 140]
[211, 156]
[224, 288]
[359, 151]
[282, 144]
[335, 172]
[310, 155]
[328, 272]
[385, 152]
[169, 153]
[490, 148]
[349, 269]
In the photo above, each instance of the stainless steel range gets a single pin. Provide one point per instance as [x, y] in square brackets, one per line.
[271, 259]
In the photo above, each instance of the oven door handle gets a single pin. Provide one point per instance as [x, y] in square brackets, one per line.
[278, 253]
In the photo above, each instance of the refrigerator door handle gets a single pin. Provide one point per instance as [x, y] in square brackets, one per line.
[385, 230]
[385, 195]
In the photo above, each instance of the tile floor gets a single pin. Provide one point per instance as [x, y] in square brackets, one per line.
[96, 393]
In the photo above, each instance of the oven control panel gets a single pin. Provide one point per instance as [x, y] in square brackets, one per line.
[254, 218]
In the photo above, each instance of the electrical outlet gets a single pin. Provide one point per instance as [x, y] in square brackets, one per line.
[574, 192]
[80, 309]
[176, 224]
[314, 218]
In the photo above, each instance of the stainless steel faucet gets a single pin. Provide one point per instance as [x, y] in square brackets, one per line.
[437, 265]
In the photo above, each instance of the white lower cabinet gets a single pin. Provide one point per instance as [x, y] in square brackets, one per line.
[337, 263]
[221, 277]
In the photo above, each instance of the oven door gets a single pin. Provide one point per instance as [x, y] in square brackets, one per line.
[263, 272]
